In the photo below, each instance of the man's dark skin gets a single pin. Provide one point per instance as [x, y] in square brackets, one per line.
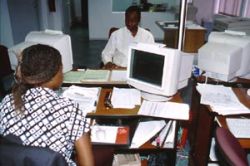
[132, 20]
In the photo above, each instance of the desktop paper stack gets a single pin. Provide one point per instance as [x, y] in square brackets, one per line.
[85, 97]
[125, 98]
[221, 99]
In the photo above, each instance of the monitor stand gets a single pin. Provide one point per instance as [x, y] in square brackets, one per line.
[154, 97]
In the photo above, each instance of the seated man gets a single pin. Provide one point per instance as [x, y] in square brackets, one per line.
[115, 53]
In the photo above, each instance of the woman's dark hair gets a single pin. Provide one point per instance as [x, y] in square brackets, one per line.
[39, 64]
[133, 9]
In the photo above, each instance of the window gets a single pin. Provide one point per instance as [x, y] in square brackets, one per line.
[233, 7]
[146, 5]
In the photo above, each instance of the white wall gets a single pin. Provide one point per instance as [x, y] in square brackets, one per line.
[47, 20]
[101, 18]
[205, 10]
[6, 38]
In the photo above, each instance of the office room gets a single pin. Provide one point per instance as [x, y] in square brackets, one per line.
[85, 25]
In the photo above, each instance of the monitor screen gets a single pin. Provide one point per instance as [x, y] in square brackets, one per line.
[147, 66]
[153, 70]
[157, 71]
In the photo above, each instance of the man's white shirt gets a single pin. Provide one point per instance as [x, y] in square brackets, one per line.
[116, 50]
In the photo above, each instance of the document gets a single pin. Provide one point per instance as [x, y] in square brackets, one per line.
[169, 110]
[118, 75]
[125, 98]
[84, 96]
[221, 99]
[73, 76]
[212, 153]
[118, 135]
[96, 75]
[127, 160]
[163, 135]
[169, 142]
[239, 127]
[145, 131]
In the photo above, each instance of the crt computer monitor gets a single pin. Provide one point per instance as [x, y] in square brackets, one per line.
[225, 56]
[157, 71]
[56, 39]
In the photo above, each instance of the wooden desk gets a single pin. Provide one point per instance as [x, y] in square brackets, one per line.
[239, 82]
[131, 114]
[202, 128]
[75, 77]
[194, 37]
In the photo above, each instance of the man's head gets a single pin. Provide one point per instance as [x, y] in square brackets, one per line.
[132, 18]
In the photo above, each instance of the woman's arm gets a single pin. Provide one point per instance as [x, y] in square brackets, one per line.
[84, 151]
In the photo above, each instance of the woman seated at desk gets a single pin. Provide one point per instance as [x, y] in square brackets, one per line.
[37, 115]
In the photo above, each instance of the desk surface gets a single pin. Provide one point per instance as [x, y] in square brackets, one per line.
[76, 77]
[239, 82]
[103, 111]
[244, 99]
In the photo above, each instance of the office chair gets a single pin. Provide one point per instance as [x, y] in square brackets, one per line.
[6, 73]
[229, 149]
[13, 153]
[111, 30]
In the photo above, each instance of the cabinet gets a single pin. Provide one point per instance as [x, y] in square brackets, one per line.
[194, 36]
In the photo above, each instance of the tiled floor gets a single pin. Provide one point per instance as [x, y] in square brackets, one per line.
[88, 54]
[85, 53]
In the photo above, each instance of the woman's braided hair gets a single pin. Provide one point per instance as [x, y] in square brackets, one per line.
[38, 65]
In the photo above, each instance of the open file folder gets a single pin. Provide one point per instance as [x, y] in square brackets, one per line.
[91, 76]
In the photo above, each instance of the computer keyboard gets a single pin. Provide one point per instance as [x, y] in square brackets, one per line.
[239, 127]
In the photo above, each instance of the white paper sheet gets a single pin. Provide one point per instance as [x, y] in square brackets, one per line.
[221, 99]
[169, 110]
[145, 131]
[125, 98]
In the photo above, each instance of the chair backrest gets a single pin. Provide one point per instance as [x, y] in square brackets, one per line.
[229, 148]
[6, 73]
[16, 154]
[111, 30]
[5, 67]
